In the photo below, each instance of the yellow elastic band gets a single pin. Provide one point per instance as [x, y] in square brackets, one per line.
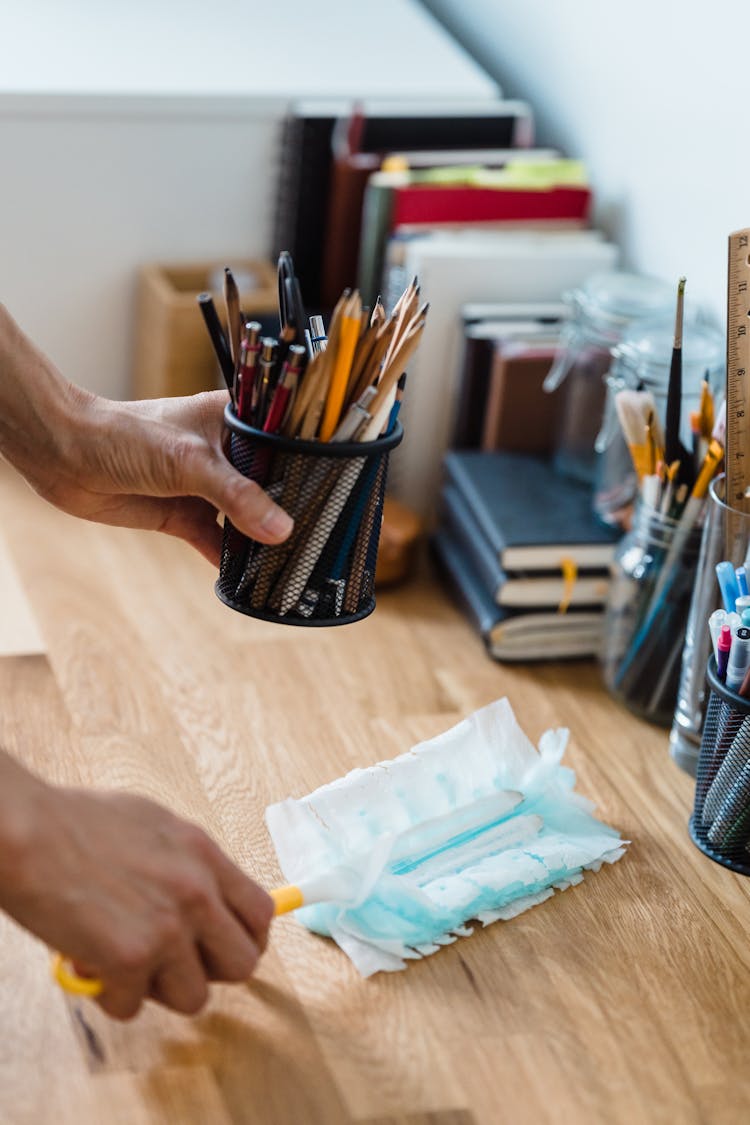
[69, 980]
[286, 899]
[569, 573]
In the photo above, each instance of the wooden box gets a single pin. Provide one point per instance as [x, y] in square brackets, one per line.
[173, 353]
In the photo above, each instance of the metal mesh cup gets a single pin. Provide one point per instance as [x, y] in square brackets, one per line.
[720, 824]
[324, 573]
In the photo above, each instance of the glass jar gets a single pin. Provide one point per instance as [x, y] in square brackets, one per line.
[646, 614]
[642, 359]
[601, 311]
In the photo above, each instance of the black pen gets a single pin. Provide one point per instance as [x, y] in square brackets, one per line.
[218, 339]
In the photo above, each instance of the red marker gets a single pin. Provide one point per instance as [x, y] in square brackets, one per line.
[723, 647]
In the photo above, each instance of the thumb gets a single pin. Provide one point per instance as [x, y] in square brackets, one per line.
[250, 509]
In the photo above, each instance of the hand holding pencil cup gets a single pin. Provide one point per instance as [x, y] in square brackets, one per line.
[312, 419]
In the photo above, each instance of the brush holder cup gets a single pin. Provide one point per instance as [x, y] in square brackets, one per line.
[324, 573]
[720, 824]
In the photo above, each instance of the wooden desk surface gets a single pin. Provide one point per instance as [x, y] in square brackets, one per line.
[624, 999]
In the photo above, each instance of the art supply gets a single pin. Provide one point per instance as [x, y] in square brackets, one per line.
[473, 824]
[673, 448]
[730, 591]
[218, 339]
[739, 659]
[741, 575]
[723, 648]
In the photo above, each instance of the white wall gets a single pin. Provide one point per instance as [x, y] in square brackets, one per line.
[654, 97]
[134, 131]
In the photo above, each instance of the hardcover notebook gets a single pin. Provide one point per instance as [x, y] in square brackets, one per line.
[531, 518]
[514, 635]
[538, 590]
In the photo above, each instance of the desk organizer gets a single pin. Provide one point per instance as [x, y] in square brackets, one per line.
[324, 573]
[720, 824]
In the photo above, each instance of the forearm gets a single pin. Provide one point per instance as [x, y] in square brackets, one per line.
[20, 795]
[36, 404]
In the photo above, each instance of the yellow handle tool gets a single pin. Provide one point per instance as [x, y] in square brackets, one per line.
[285, 899]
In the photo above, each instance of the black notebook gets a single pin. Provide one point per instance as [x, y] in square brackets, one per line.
[532, 518]
[514, 635]
[539, 590]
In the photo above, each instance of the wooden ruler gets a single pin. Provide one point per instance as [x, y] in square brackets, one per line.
[737, 441]
[737, 455]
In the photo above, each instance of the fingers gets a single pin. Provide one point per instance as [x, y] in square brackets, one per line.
[124, 993]
[250, 903]
[180, 982]
[249, 508]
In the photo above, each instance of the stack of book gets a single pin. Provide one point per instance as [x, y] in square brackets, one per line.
[525, 554]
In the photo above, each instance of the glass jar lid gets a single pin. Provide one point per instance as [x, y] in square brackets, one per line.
[646, 349]
[606, 303]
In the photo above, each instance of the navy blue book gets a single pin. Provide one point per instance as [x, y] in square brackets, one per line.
[539, 589]
[511, 634]
[531, 518]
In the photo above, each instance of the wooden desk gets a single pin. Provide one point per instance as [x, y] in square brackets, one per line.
[624, 999]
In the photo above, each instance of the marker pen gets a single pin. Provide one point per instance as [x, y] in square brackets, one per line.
[724, 646]
[727, 584]
[739, 659]
[741, 576]
[718, 618]
[746, 617]
[742, 603]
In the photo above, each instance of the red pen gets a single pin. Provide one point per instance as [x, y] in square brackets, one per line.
[278, 409]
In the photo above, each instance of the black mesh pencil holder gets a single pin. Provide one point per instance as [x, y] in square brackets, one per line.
[720, 824]
[324, 574]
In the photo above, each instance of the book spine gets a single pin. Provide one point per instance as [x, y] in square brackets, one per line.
[455, 471]
[460, 523]
[480, 606]
[429, 203]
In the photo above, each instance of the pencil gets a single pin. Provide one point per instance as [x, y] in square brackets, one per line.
[350, 327]
[234, 316]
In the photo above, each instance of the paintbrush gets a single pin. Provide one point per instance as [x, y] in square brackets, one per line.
[674, 449]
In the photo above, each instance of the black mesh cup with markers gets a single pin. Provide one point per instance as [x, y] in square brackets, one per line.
[720, 824]
[324, 574]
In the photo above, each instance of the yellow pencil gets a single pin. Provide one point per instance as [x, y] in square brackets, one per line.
[350, 327]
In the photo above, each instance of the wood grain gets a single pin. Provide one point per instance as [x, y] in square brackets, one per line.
[625, 999]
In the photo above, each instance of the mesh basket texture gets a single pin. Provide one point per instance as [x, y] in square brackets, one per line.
[324, 573]
[720, 824]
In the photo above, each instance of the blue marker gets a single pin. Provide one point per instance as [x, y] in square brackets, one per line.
[741, 575]
[727, 584]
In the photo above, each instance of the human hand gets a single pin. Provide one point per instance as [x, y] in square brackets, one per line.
[134, 896]
[157, 464]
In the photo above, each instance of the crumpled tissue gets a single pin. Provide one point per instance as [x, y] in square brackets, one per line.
[473, 824]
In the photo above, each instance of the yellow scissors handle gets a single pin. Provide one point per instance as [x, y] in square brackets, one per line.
[69, 980]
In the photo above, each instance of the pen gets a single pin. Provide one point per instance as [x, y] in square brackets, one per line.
[741, 575]
[218, 339]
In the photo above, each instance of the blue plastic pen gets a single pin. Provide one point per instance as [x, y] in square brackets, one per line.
[741, 575]
[727, 584]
